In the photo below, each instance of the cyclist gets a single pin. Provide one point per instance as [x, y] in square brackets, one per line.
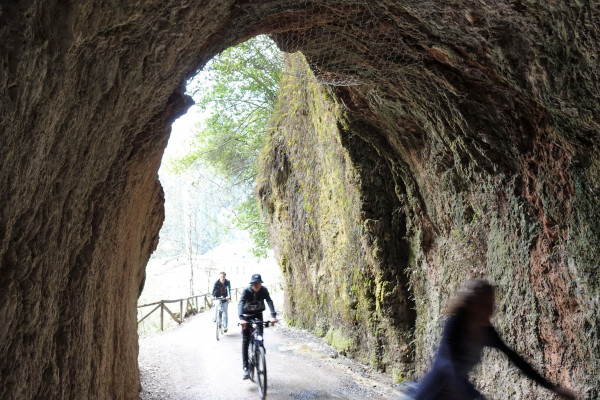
[252, 305]
[465, 334]
[222, 288]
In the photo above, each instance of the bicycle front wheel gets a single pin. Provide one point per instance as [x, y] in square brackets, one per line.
[251, 361]
[218, 325]
[261, 372]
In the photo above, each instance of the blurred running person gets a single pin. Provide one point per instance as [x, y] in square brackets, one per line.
[467, 331]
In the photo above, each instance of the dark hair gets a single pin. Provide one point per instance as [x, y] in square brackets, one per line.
[473, 290]
[222, 273]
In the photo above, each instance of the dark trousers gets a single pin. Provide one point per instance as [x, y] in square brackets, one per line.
[246, 336]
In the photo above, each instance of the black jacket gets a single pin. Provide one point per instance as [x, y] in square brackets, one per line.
[250, 296]
[218, 285]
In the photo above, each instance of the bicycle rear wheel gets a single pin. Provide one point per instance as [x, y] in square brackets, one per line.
[261, 372]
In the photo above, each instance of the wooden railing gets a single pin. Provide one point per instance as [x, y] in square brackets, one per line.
[190, 302]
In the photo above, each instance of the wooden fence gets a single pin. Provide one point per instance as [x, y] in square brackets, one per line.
[193, 305]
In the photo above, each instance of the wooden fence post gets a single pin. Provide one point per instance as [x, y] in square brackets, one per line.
[162, 316]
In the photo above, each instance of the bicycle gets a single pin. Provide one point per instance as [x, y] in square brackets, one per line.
[219, 316]
[256, 357]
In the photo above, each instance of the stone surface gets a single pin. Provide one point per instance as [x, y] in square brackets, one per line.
[491, 153]
[341, 243]
[473, 150]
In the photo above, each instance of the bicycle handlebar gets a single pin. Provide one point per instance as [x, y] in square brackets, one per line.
[259, 322]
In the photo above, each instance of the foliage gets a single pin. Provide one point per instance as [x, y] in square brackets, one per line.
[248, 218]
[238, 92]
[194, 222]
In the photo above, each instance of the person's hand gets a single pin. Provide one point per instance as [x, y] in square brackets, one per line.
[565, 393]
[228, 298]
[243, 324]
[273, 320]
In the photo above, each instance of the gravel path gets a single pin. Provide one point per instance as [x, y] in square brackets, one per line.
[188, 363]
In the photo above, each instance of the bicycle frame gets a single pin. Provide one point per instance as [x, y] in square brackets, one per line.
[256, 337]
[219, 304]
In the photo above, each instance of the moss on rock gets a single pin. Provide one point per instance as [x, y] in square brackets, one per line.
[329, 232]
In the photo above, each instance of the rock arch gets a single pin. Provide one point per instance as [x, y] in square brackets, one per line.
[504, 96]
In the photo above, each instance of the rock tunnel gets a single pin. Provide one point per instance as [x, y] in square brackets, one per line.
[464, 139]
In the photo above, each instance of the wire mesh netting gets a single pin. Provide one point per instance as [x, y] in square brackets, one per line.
[346, 42]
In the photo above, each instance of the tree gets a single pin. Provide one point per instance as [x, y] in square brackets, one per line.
[238, 91]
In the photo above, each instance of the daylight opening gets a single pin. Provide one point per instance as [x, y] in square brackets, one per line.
[212, 218]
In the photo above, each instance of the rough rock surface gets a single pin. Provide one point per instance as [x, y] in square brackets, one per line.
[485, 153]
[479, 160]
[329, 228]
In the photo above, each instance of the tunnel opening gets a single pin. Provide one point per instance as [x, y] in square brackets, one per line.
[227, 129]
[212, 219]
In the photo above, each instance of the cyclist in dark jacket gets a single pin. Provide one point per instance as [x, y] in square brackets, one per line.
[222, 288]
[252, 305]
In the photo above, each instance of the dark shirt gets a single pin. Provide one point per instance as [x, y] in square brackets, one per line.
[249, 295]
[222, 289]
[456, 357]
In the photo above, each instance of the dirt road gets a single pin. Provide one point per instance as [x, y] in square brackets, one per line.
[188, 363]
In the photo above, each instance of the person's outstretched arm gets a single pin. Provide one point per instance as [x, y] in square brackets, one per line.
[527, 368]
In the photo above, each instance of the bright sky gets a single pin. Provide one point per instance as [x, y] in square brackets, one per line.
[182, 132]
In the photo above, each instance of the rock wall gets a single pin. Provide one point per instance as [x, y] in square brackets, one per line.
[477, 157]
[335, 226]
[88, 94]
[489, 146]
